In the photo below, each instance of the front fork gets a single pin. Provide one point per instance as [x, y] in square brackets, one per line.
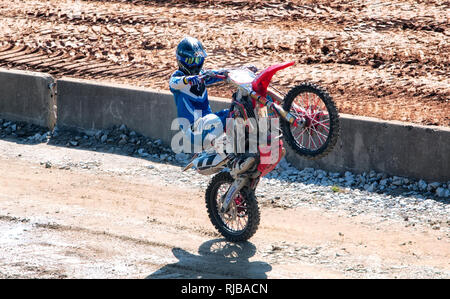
[233, 191]
[297, 122]
[235, 188]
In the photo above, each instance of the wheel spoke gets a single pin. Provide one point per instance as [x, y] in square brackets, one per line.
[312, 139]
[301, 133]
[327, 128]
[318, 136]
[323, 135]
[309, 138]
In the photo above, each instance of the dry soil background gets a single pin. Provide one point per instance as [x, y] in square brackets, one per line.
[386, 59]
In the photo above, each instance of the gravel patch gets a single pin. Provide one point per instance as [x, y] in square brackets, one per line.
[415, 202]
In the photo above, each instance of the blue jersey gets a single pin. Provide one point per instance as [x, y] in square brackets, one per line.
[191, 100]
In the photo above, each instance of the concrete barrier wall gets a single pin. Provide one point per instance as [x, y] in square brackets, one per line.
[392, 147]
[365, 144]
[27, 96]
[86, 105]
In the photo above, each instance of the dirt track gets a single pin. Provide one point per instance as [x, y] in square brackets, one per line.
[118, 219]
[386, 60]
[109, 216]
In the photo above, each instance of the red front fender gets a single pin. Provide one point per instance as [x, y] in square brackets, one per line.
[262, 81]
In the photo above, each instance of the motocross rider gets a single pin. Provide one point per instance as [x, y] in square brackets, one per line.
[191, 96]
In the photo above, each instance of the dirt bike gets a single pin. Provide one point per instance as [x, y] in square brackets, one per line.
[309, 123]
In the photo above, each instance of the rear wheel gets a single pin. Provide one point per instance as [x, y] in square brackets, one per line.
[241, 220]
[319, 134]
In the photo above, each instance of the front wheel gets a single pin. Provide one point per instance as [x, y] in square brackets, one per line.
[241, 220]
[319, 134]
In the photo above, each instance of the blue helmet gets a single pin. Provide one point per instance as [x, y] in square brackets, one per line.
[190, 56]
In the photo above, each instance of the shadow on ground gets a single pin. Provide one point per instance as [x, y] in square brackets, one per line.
[216, 259]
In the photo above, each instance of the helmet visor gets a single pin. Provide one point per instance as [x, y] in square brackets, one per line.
[191, 61]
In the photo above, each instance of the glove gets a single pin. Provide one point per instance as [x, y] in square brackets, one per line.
[223, 72]
[211, 73]
[192, 80]
[252, 68]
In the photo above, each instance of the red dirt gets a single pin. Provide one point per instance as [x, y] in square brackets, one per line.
[384, 60]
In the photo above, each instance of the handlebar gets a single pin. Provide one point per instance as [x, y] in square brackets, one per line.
[221, 77]
[206, 76]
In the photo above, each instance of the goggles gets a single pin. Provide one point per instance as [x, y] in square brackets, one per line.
[191, 60]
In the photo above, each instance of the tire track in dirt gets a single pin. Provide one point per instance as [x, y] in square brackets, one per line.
[61, 227]
[132, 42]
